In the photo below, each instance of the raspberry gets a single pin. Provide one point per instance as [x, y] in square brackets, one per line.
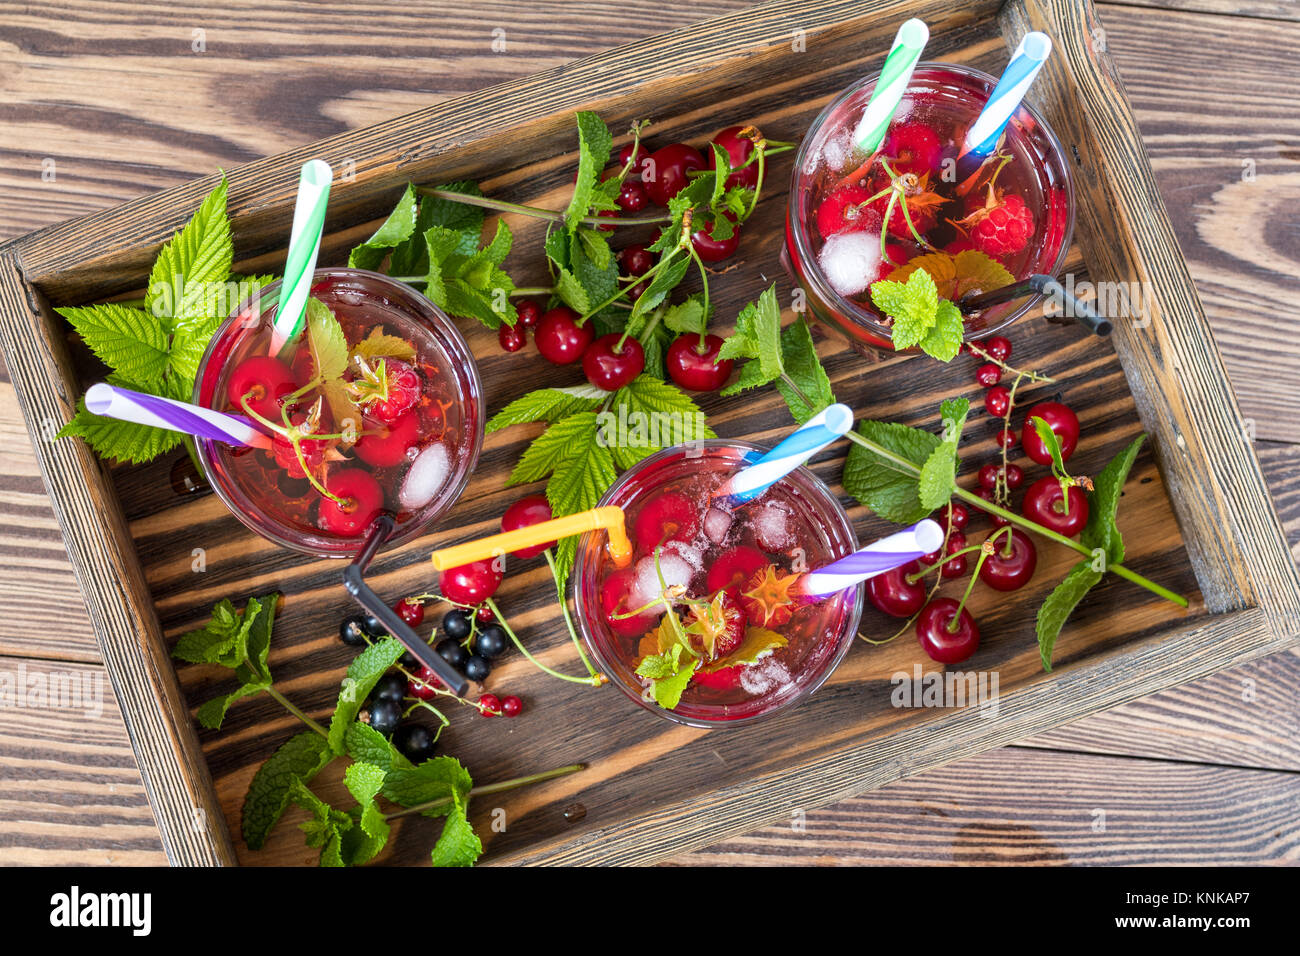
[403, 391]
[1001, 227]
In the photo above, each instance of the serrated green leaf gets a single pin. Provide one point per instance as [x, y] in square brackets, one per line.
[944, 340]
[211, 713]
[571, 291]
[119, 440]
[396, 229]
[801, 366]
[370, 831]
[751, 376]
[687, 317]
[129, 341]
[458, 844]
[329, 346]
[298, 758]
[547, 405]
[363, 673]
[938, 477]
[913, 308]
[200, 253]
[669, 276]
[1060, 604]
[367, 745]
[1101, 531]
[436, 779]
[596, 247]
[460, 220]
[881, 485]
[594, 145]
[554, 446]
[668, 690]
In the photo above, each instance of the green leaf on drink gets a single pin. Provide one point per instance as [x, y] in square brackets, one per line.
[944, 339]
[325, 338]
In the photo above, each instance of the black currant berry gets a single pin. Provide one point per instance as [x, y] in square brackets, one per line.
[374, 628]
[491, 642]
[414, 742]
[385, 715]
[452, 653]
[391, 686]
[477, 668]
[457, 623]
[353, 630]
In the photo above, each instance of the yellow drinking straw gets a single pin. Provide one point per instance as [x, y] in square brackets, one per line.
[608, 518]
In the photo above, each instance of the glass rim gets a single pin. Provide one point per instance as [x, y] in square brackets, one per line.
[276, 531]
[810, 270]
[846, 639]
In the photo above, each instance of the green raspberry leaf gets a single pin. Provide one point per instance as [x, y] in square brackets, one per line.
[879, 483]
[553, 447]
[200, 253]
[548, 405]
[395, 230]
[1060, 604]
[299, 758]
[130, 341]
[118, 440]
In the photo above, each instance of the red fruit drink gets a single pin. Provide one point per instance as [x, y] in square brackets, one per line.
[1018, 210]
[401, 424]
[731, 569]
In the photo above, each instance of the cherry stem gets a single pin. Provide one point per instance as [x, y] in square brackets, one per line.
[594, 680]
[704, 280]
[491, 788]
[537, 212]
[974, 576]
[564, 607]
[907, 467]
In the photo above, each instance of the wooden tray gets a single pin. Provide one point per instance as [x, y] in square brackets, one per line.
[1197, 516]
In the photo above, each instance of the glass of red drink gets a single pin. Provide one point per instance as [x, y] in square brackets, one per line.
[406, 417]
[1020, 211]
[669, 497]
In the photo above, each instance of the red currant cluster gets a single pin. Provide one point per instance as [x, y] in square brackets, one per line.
[1006, 559]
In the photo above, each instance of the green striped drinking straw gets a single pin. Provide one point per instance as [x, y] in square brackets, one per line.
[304, 245]
[888, 93]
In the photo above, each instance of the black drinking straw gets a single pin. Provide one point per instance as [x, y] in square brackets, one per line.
[354, 582]
[1075, 308]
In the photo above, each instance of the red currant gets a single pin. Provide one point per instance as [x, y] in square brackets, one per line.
[1006, 438]
[512, 706]
[1046, 505]
[1012, 562]
[512, 338]
[412, 612]
[524, 513]
[694, 368]
[529, 312]
[955, 516]
[739, 148]
[893, 594]
[489, 705]
[560, 338]
[975, 346]
[471, 583]
[613, 361]
[1061, 420]
[424, 685]
[666, 171]
[954, 567]
[999, 347]
[632, 197]
[997, 400]
[988, 374]
[944, 646]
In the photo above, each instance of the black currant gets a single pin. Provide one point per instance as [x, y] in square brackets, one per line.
[391, 686]
[385, 715]
[374, 628]
[409, 661]
[353, 630]
[414, 741]
[491, 642]
[457, 623]
[452, 653]
[477, 668]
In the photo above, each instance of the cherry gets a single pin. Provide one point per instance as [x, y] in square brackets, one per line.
[999, 347]
[512, 338]
[715, 250]
[263, 381]
[955, 516]
[915, 148]
[1062, 421]
[560, 338]
[1046, 505]
[987, 495]
[893, 594]
[734, 567]
[842, 211]
[670, 517]
[666, 171]
[614, 592]
[489, 705]
[944, 646]
[1012, 562]
[1006, 438]
[997, 400]
[412, 612]
[512, 706]
[529, 312]
[424, 685]
[739, 148]
[954, 567]
[524, 513]
[361, 500]
[989, 374]
[609, 365]
[627, 153]
[637, 260]
[696, 369]
[632, 197]
[388, 446]
[471, 583]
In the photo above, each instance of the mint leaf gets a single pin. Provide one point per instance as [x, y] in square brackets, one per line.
[547, 405]
[211, 713]
[299, 758]
[200, 253]
[367, 745]
[363, 673]
[369, 833]
[688, 317]
[668, 277]
[437, 779]
[129, 341]
[1101, 531]
[799, 358]
[751, 376]
[396, 229]
[223, 639]
[758, 334]
[882, 485]
[458, 844]
[329, 346]
[1050, 442]
[1060, 604]
[938, 478]
[594, 145]
[463, 222]
[944, 340]
[913, 305]
[668, 690]
[325, 826]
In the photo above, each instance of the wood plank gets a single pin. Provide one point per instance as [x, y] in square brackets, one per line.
[1018, 807]
[70, 793]
[1262, 9]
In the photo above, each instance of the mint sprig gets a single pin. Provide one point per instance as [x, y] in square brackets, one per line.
[920, 317]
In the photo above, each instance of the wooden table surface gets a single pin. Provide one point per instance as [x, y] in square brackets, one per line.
[111, 100]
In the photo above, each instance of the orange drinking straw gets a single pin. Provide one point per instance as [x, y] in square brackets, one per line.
[608, 518]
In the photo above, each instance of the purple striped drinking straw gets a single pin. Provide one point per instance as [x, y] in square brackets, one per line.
[128, 406]
[878, 557]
